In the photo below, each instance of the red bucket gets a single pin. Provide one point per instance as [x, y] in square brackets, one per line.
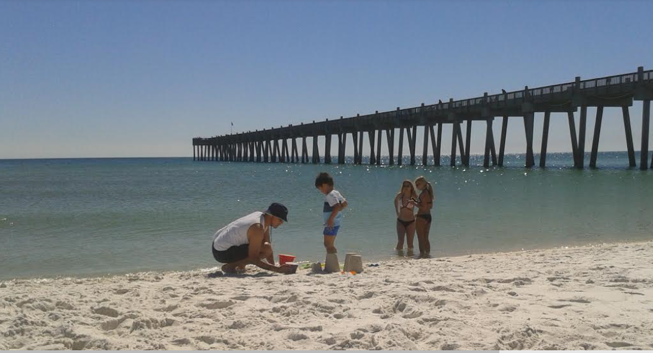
[283, 258]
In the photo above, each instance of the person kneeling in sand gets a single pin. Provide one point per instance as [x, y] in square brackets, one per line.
[247, 241]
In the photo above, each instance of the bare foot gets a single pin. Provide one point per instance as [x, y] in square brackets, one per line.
[228, 268]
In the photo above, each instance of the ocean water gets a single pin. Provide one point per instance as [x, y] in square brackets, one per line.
[87, 217]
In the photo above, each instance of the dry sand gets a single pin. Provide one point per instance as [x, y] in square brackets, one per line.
[597, 297]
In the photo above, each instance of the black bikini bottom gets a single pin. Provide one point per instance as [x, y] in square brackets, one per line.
[427, 217]
[405, 223]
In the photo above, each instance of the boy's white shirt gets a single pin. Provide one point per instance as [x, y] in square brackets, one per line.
[334, 197]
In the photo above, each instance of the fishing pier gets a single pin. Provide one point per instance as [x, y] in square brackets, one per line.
[289, 144]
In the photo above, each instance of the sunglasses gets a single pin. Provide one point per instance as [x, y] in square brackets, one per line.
[406, 185]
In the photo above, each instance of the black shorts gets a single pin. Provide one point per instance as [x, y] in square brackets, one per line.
[233, 254]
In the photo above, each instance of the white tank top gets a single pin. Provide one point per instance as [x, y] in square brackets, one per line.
[235, 233]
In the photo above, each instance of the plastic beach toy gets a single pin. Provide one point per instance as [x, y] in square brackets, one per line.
[294, 266]
[283, 258]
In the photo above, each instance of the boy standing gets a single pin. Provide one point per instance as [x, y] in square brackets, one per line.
[334, 203]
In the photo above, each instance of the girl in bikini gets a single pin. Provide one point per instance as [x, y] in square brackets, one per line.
[424, 204]
[405, 215]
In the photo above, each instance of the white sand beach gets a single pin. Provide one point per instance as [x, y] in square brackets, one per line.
[595, 297]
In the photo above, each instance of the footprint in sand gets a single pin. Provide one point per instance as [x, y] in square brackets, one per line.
[618, 344]
[106, 311]
[559, 306]
[217, 305]
[168, 308]
[181, 341]
[442, 289]
[366, 295]
[578, 300]
[297, 336]
[356, 335]
[112, 324]
[507, 308]
[206, 339]
[64, 305]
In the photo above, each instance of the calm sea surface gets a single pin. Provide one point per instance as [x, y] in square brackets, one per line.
[86, 217]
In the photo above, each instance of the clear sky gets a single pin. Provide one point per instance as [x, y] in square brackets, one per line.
[141, 78]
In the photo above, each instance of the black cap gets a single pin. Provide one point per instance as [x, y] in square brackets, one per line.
[278, 210]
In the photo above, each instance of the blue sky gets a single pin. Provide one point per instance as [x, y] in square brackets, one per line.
[141, 78]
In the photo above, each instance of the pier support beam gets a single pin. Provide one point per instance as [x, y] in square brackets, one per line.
[354, 138]
[646, 120]
[434, 145]
[327, 149]
[266, 151]
[454, 142]
[361, 135]
[286, 152]
[502, 143]
[438, 150]
[379, 141]
[412, 139]
[390, 137]
[582, 127]
[597, 136]
[468, 142]
[371, 135]
[572, 133]
[489, 141]
[294, 155]
[545, 139]
[400, 152]
[342, 147]
[425, 150]
[457, 139]
[316, 151]
[529, 124]
[629, 137]
[304, 150]
[276, 154]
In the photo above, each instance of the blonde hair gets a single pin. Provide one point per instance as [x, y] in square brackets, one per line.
[413, 193]
[429, 188]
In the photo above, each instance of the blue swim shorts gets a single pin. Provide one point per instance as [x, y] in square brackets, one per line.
[331, 231]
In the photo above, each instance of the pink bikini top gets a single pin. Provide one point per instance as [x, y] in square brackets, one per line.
[400, 204]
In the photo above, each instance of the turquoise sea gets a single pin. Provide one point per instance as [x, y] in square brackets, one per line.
[86, 217]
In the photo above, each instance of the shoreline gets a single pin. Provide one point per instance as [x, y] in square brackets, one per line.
[584, 297]
[392, 258]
